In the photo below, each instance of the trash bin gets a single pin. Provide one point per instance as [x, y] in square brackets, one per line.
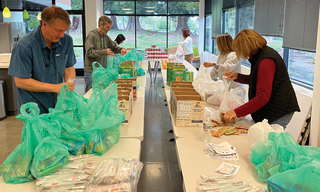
[2, 108]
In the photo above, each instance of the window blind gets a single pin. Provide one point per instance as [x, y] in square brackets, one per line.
[228, 4]
[268, 19]
[216, 17]
[244, 2]
[301, 24]
[208, 7]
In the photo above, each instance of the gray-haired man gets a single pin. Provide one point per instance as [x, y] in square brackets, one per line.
[98, 45]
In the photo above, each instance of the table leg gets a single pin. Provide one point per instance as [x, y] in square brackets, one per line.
[150, 73]
[156, 66]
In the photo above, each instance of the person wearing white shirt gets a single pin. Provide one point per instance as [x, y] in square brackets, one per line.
[227, 59]
[186, 45]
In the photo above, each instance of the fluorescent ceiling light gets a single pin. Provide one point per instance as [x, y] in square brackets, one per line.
[149, 11]
[129, 11]
[126, 9]
[149, 7]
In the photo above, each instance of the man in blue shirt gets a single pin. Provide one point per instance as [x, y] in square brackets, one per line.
[42, 61]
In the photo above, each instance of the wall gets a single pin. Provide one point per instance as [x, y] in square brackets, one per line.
[315, 115]
[94, 9]
[201, 27]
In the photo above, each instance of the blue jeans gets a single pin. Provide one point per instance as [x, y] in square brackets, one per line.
[284, 120]
[88, 80]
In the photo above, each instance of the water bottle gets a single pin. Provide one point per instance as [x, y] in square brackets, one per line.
[206, 133]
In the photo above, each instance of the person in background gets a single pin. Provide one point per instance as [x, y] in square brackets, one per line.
[227, 59]
[98, 45]
[186, 45]
[42, 61]
[119, 39]
[271, 95]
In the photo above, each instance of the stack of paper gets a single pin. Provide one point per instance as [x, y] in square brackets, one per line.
[223, 150]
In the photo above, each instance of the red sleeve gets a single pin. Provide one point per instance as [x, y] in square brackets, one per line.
[266, 71]
[244, 79]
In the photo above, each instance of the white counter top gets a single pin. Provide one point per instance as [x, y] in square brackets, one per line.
[5, 60]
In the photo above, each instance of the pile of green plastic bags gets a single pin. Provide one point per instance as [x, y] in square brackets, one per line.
[285, 165]
[132, 55]
[76, 126]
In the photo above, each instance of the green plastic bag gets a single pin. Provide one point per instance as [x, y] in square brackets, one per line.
[71, 136]
[279, 154]
[49, 156]
[109, 62]
[102, 77]
[102, 136]
[303, 179]
[15, 169]
[71, 103]
[117, 61]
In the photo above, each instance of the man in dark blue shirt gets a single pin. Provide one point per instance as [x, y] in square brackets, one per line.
[42, 61]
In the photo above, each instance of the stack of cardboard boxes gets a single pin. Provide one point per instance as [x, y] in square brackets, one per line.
[127, 92]
[187, 106]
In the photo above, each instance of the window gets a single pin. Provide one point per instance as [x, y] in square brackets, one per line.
[152, 31]
[301, 66]
[177, 23]
[119, 7]
[146, 23]
[208, 32]
[70, 4]
[123, 25]
[230, 22]
[246, 17]
[275, 43]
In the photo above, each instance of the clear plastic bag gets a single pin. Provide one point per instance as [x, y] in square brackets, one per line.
[116, 171]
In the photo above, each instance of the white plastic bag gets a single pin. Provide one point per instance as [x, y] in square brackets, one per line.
[202, 76]
[231, 98]
[179, 54]
[259, 132]
[214, 73]
[214, 95]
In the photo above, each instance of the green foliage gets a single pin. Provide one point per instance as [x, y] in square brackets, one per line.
[76, 5]
[33, 23]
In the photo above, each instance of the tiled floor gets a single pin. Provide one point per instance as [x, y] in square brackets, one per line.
[160, 173]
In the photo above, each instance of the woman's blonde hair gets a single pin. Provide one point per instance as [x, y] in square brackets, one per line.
[247, 43]
[224, 43]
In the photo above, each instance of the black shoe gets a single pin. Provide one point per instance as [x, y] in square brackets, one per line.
[171, 131]
[165, 100]
[165, 104]
[173, 139]
[162, 86]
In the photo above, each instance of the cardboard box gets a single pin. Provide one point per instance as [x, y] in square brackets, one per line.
[125, 105]
[182, 86]
[134, 85]
[130, 85]
[173, 94]
[126, 91]
[188, 110]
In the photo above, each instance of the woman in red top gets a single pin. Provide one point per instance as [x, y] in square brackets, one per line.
[271, 95]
